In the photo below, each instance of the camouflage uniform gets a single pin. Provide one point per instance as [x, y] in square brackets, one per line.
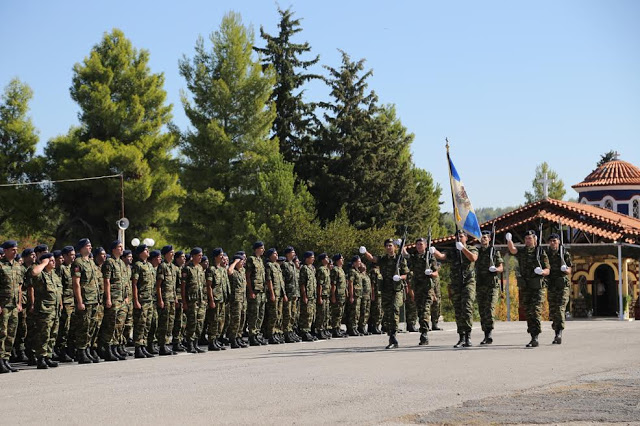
[365, 303]
[21, 332]
[11, 277]
[86, 271]
[64, 332]
[436, 304]
[169, 275]
[274, 309]
[462, 287]
[375, 319]
[353, 310]
[559, 288]
[145, 276]
[113, 270]
[255, 307]
[193, 280]
[308, 309]
[410, 308]
[220, 288]
[487, 286]
[422, 286]
[127, 307]
[238, 302]
[339, 281]
[290, 308]
[532, 286]
[392, 291]
[47, 289]
[323, 280]
[179, 319]
[97, 324]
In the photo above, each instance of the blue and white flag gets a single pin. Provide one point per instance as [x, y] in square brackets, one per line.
[463, 212]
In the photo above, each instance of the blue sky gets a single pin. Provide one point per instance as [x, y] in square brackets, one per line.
[510, 83]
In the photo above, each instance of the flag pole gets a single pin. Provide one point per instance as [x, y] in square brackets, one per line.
[453, 199]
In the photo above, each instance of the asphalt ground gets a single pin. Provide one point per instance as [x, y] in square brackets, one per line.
[593, 377]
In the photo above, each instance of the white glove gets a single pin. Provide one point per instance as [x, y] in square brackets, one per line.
[363, 250]
[492, 268]
[398, 242]
[459, 245]
[432, 249]
[508, 236]
[428, 272]
[538, 270]
[564, 268]
[396, 278]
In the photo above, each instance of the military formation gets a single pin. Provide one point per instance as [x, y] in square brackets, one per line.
[84, 304]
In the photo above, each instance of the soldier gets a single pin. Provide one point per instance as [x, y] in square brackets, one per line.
[143, 279]
[11, 277]
[30, 337]
[237, 300]
[559, 285]
[488, 285]
[436, 302]
[292, 290]
[307, 297]
[45, 296]
[462, 286]
[99, 257]
[217, 279]
[64, 271]
[85, 290]
[410, 308]
[255, 293]
[533, 269]
[275, 296]
[127, 297]
[338, 295]
[192, 284]
[354, 285]
[27, 258]
[391, 287]
[155, 260]
[204, 264]
[365, 304]
[375, 319]
[166, 281]
[323, 280]
[113, 274]
[179, 321]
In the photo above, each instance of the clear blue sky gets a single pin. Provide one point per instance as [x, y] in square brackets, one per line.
[511, 83]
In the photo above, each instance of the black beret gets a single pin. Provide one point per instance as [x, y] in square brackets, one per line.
[486, 232]
[82, 243]
[322, 256]
[57, 253]
[141, 248]
[27, 252]
[241, 253]
[238, 256]
[98, 250]
[460, 231]
[114, 244]
[154, 253]
[18, 256]
[387, 241]
[187, 257]
[46, 256]
[67, 249]
[216, 252]
[257, 245]
[530, 232]
[196, 250]
[307, 254]
[40, 248]
[288, 250]
[270, 252]
[166, 249]
[127, 252]
[9, 244]
[355, 258]
[554, 236]
[337, 257]
[204, 258]
[421, 240]
[179, 253]
[281, 258]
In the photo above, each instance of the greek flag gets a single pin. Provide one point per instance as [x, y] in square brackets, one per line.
[463, 212]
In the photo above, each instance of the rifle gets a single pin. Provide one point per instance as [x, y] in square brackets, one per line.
[428, 252]
[492, 251]
[562, 262]
[539, 246]
[401, 245]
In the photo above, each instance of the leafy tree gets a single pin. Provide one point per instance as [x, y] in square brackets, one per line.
[606, 157]
[239, 188]
[122, 115]
[294, 117]
[21, 207]
[556, 187]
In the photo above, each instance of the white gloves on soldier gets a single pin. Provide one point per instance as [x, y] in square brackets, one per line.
[492, 268]
[398, 242]
[432, 249]
[564, 268]
[396, 278]
[428, 272]
[538, 270]
[508, 236]
[363, 250]
[459, 245]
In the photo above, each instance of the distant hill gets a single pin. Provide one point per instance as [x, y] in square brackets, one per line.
[484, 214]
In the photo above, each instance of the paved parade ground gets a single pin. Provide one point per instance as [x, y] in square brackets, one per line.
[594, 376]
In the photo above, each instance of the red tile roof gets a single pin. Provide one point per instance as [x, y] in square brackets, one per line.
[616, 172]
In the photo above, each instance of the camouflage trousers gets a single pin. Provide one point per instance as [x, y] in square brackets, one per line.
[237, 313]
[166, 317]
[307, 315]
[558, 297]
[153, 326]
[8, 328]
[290, 313]
[128, 322]
[81, 323]
[46, 330]
[375, 319]
[109, 321]
[21, 330]
[411, 310]
[462, 297]
[365, 311]
[179, 324]
[487, 295]
[29, 338]
[323, 316]
[121, 318]
[64, 326]
[95, 327]
[436, 304]
[142, 323]
[337, 312]
[255, 313]
[423, 296]
[391, 304]
[196, 310]
[273, 320]
[353, 312]
[216, 320]
[531, 294]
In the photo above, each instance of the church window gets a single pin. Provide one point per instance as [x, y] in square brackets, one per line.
[608, 204]
[635, 209]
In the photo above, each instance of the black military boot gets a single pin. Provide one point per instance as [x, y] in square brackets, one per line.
[377, 330]
[9, 366]
[31, 358]
[362, 332]
[138, 352]
[467, 340]
[146, 353]
[94, 355]
[424, 339]
[411, 327]
[234, 344]
[534, 341]
[21, 356]
[51, 363]
[152, 350]
[63, 355]
[42, 363]
[189, 348]
[177, 347]
[213, 346]
[115, 353]
[164, 350]
[197, 347]
[434, 327]
[81, 357]
[487, 338]
[460, 340]
[241, 342]
[558, 339]
[3, 367]
[393, 342]
[107, 355]
[253, 341]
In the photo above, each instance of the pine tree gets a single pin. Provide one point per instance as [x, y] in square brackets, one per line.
[556, 188]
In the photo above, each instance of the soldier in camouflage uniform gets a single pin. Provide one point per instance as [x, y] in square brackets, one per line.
[323, 281]
[533, 270]
[436, 303]
[559, 285]
[487, 285]
[338, 295]
[143, 280]
[422, 281]
[365, 303]
[99, 257]
[307, 297]
[375, 319]
[11, 277]
[392, 290]
[30, 320]
[256, 277]
[218, 289]
[45, 295]
[85, 291]
[292, 290]
[463, 285]
[275, 296]
[192, 283]
[179, 320]
[354, 286]
[238, 300]
[113, 273]
[155, 260]
[410, 307]
[125, 336]
[167, 279]
[20, 344]
[64, 333]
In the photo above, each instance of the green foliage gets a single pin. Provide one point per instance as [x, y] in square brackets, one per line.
[122, 114]
[606, 157]
[556, 188]
[485, 214]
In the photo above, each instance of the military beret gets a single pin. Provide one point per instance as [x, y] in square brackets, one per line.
[141, 248]
[196, 250]
[554, 236]
[9, 244]
[530, 232]
[216, 252]
[154, 253]
[237, 257]
[67, 249]
[82, 243]
[109, 256]
[40, 248]
[337, 257]
[187, 257]
[18, 256]
[281, 258]
[241, 253]
[114, 244]
[27, 252]
[388, 240]
[127, 252]
[322, 256]
[355, 258]
[270, 252]
[57, 253]
[46, 256]
[1, 250]
[98, 250]
[204, 258]
[460, 232]
[166, 249]
[420, 240]
[179, 253]
[257, 245]
[307, 254]
[486, 232]
[288, 250]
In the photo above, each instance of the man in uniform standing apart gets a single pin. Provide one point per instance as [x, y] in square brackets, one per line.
[11, 276]
[338, 295]
[463, 285]
[559, 285]
[533, 269]
[307, 297]
[256, 278]
[323, 280]
[487, 286]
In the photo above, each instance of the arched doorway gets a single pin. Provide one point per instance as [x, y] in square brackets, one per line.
[605, 292]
